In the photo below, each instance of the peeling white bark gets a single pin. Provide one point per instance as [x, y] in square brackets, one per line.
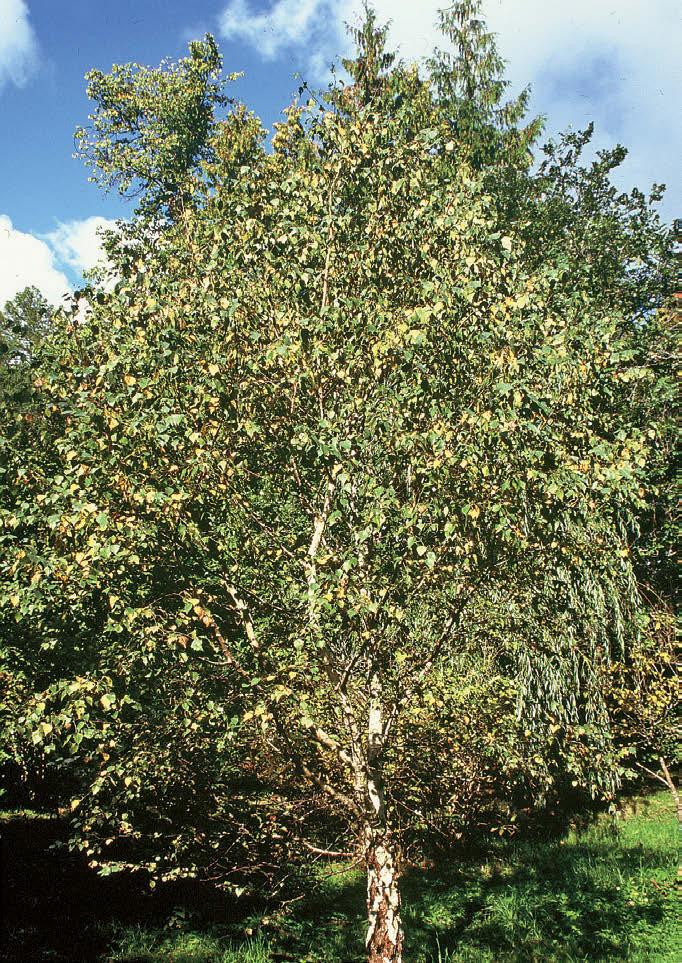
[384, 942]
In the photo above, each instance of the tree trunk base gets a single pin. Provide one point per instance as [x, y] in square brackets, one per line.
[384, 942]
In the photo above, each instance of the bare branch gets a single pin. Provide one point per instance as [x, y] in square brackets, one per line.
[335, 853]
[339, 797]
[654, 775]
[328, 742]
[207, 620]
[244, 617]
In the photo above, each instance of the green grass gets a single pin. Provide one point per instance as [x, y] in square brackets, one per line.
[149, 946]
[11, 815]
[604, 894]
[607, 893]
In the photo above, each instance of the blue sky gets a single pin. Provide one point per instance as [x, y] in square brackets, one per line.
[617, 63]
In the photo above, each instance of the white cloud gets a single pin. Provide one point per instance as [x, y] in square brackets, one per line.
[27, 260]
[52, 261]
[18, 46]
[78, 244]
[317, 28]
[616, 62]
[287, 23]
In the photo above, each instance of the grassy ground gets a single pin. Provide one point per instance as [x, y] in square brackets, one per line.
[607, 893]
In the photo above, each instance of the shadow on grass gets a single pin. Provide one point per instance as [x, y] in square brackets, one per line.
[53, 907]
[543, 902]
[602, 895]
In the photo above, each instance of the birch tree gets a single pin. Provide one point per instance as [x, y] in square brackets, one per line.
[328, 434]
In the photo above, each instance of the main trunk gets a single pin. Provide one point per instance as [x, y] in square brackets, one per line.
[384, 924]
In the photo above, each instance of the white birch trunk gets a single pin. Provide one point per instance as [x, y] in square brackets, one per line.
[384, 943]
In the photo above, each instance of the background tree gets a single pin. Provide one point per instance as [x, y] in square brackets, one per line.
[151, 128]
[24, 322]
[616, 245]
[470, 86]
[614, 239]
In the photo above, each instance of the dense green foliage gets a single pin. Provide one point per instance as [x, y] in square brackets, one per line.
[317, 531]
